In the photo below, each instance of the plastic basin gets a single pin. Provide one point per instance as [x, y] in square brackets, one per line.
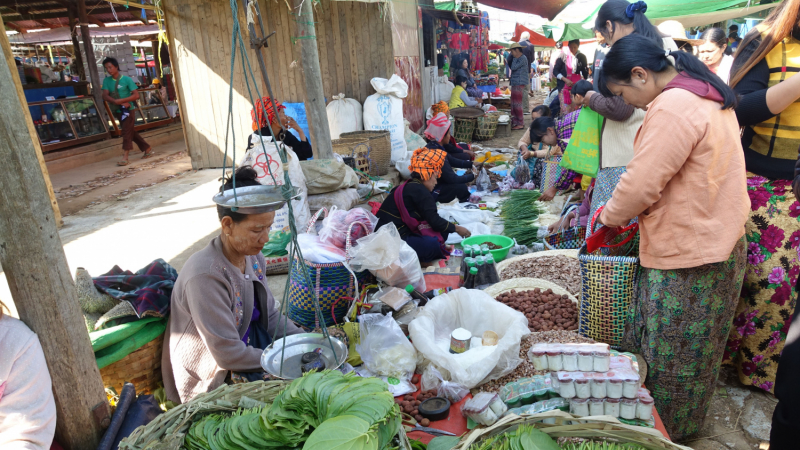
[500, 254]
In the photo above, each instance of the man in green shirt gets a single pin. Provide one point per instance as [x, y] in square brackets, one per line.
[120, 92]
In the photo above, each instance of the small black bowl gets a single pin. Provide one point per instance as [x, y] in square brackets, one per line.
[436, 408]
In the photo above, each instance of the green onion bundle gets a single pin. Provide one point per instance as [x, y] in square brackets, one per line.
[520, 214]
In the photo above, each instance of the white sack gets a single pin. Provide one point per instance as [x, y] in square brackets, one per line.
[442, 89]
[384, 111]
[344, 115]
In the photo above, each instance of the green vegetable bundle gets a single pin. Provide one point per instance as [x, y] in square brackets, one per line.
[520, 214]
[319, 411]
[601, 445]
[525, 437]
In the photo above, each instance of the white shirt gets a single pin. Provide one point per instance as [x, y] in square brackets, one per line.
[724, 68]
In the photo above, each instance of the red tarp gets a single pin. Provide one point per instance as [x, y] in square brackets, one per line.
[536, 39]
[545, 8]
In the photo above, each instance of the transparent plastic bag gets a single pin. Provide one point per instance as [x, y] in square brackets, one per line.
[317, 251]
[432, 378]
[384, 348]
[337, 222]
[376, 251]
[483, 181]
[403, 271]
[484, 408]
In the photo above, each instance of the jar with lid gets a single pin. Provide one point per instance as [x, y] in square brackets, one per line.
[612, 407]
[579, 406]
[614, 388]
[602, 360]
[567, 387]
[539, 360]
[630, 388]
[569, 359]
[644, 409]
[582, 389]
[598, 387]
[596, 406]
[554, 360]
[586, 361]
[627, 408]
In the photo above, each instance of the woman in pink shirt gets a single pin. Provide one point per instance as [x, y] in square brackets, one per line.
[687, 185]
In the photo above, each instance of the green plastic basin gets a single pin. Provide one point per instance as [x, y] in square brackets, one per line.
[500, 254]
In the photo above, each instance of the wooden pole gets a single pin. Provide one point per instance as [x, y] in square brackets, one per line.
[91, 62]
[38, 276]
[315, 104]
[76, 47]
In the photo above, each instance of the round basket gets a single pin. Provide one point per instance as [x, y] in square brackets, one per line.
[501, 266]
[486, 126]
[380, 144]
[142, 368]
[463, 129]
[357, 148]
[466, 112]
[527, 284]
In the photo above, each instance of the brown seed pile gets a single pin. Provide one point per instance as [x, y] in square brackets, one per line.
[545, 310]
[525, 368]
[410, 405]
[561, 270]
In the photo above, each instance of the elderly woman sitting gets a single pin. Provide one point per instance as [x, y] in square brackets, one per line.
[223, 313]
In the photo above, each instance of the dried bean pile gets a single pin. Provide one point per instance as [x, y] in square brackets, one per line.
[410, 405]
[561, 270]
[545, 310]
[525, 368]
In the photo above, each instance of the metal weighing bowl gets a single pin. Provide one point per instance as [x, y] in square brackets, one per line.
[296, 346]
[254, 199]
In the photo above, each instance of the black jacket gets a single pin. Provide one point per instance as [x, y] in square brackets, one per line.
[420, 204]
[301, 148]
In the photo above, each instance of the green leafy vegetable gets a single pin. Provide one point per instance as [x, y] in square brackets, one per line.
[342, 433]
[443, 442]
[525, 437]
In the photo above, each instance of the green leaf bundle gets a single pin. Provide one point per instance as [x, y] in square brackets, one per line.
[525, 437]
[521, 205]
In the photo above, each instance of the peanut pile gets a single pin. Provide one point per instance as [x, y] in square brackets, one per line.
[545, 310]
[561, 270]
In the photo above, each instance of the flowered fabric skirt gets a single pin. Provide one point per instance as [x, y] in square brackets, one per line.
[679, 322]
[517, 119]
[768, 298]
[607, 180]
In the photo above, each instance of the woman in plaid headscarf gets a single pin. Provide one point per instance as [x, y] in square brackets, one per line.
[280, 124]
[451, 185]
[411, 207]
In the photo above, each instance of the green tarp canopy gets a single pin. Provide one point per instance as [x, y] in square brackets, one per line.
[445, 6]
[567, 32]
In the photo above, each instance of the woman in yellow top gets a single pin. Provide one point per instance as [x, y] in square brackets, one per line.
[459, 98]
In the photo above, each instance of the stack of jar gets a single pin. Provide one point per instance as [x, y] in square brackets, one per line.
[570, 357]
[640, 407]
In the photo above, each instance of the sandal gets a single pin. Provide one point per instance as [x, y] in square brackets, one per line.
[124, 162]
[148, 154]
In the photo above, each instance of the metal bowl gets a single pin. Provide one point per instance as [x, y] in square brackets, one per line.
[254, 199]
[296, 346]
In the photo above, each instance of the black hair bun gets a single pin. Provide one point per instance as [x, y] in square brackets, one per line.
[245, 176]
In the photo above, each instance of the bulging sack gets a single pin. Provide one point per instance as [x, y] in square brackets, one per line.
[384, 111]
[344, 115]
[442, 89]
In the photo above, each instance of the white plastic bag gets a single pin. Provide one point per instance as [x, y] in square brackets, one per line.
[442, 89]
[384, 348]
[271, 162]
[476, 228]
[431, 378]
[403, 271]
[477, 312]
[413, 140]
[384, 111]
[317, 251]
[376, 251]
[344, 115]
[461, 215]
[337, 223]
[402, 166]
[483, 181]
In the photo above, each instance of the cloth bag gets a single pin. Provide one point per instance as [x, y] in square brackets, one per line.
[384, 111]
[271, 163]
[327, 175]
[344, 115]
[583, 152]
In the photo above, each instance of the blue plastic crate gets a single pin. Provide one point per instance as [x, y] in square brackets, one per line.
[488, 89]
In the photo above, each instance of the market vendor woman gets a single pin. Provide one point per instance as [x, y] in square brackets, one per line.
[223, 313]
[274, 121]
[412, 208]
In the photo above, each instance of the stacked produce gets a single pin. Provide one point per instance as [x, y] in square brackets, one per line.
[561, 270]
[520, 213]
[525, 436]
[545, 310]
[321, 410]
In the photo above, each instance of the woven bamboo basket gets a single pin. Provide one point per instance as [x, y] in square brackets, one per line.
[486, 126]
[142, 368]
[527, 284]
[380, 143]
[561, 424]
[463, 129]
[356, 148]
[501, 266]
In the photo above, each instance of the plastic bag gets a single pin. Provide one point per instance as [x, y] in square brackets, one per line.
[317, 251]
[376, 251]
[477, 312]
[384, 348]
[403, 271]
[432, 378]
[337, 223]
[484, 408]
[278, 240]
[413, 140]
[476, 228]
[397, 386]
[402, 166]
[460, 215]
[483, 182]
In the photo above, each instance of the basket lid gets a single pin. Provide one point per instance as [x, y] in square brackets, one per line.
[467, 112]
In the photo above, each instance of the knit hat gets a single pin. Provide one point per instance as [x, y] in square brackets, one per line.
[258, 111]
[437, 127]
[427, 162]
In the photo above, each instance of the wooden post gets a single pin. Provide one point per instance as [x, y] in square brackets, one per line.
[76, 47]
[315, 103]
[38, 275]
[91, 62]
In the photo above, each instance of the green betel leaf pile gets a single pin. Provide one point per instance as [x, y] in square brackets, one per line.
[319, 411]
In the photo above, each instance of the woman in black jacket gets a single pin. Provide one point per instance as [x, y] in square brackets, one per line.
[280, 123]
[451, 185]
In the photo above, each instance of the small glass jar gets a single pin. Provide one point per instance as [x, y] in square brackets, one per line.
[596, 406]
[630, 388]
[554, 383]
[570, 360]
[644, 409]
[582, 388]
[586, 361]
[627, 408]
[567, 389]
[602, 360]
[579, 406]
[612, 407]
[539, 360]
[598, 388]
[614, 388]
[554, 361]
